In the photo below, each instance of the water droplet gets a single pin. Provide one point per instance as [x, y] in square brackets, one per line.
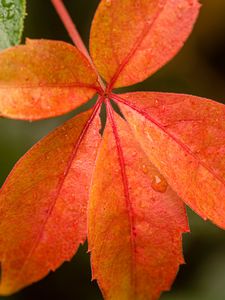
[163, 108]
[145, 169]
[108, 2]
[149, 137]
[159, 184]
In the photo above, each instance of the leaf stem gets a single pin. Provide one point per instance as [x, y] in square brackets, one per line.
[74, 34]
[70, 27]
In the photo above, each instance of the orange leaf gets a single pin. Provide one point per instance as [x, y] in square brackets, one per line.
[135, 220]
[183, 137]
[43, 203]
[137, 37]
[44, 79]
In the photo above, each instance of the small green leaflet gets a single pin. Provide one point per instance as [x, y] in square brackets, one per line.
[12, 13]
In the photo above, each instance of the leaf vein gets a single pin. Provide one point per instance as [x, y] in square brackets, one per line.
[60, 185]
[126, 194]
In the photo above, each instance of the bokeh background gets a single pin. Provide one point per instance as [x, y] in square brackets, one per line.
[198, 69]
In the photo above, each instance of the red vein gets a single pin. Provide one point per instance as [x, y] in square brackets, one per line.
[126, 191]
[176, 140]
[61, 182]
[139, 40]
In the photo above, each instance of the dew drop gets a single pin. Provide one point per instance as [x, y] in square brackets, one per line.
[159, 184]
[145, 169]
[108, 2]
[149, 137]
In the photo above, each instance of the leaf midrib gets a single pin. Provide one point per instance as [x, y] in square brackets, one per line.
[133, 50]
[127, 197]
[58, 190]
[161, 127]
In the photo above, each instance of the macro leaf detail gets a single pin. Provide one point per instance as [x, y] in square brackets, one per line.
[40, 81]
[191, 137]
[44, 202]
[155, 34]
[138, 240]
[122, 184]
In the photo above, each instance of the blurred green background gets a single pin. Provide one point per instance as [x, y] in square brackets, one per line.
[198, 69]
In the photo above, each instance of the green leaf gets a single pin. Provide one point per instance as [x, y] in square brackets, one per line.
[12, 13]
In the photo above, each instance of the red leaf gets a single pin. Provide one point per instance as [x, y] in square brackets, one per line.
[183, 137]
[135, 220]
[137, 37]
[44, 79]
[43, 203]
[171, 145]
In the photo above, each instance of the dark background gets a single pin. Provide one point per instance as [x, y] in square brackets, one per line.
[198, 69]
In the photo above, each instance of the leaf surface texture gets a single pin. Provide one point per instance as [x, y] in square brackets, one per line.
[137, 37]
[184, 138]
[44, 79]
[135, 220]
[43, 203]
